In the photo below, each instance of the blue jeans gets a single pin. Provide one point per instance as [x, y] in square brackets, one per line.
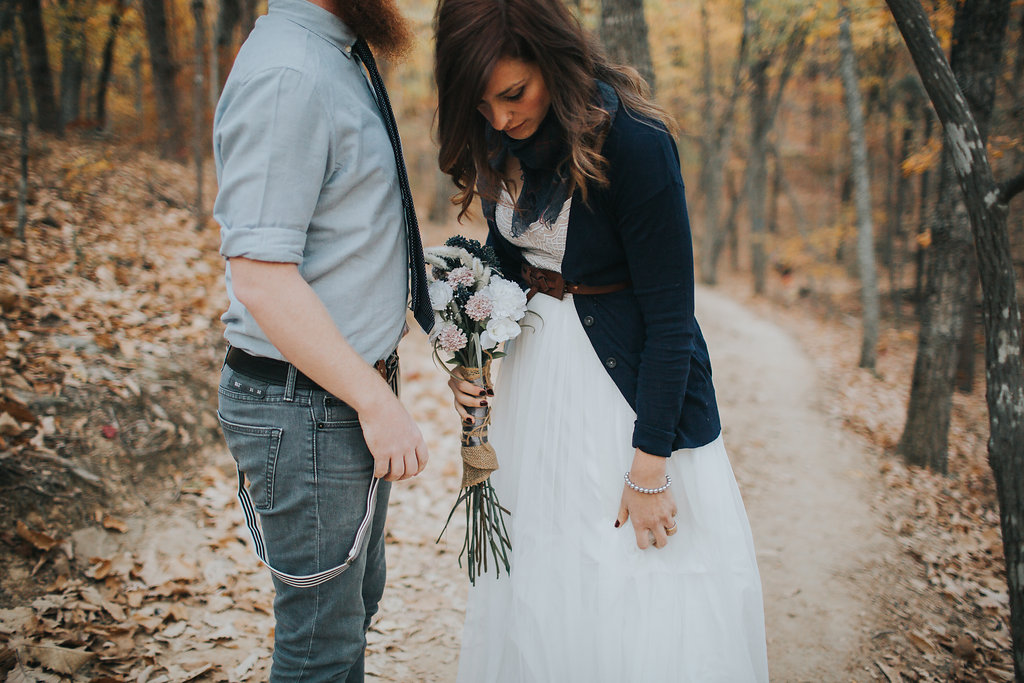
[309, 472]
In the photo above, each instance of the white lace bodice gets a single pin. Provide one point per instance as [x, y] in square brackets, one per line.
[543, 246]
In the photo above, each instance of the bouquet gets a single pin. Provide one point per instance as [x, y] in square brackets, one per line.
[476, 310]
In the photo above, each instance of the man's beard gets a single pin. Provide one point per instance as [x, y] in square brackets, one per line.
[380, 23]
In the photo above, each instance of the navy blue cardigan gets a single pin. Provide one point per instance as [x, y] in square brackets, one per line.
[647, 337]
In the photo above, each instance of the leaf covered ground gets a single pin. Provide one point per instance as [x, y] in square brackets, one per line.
[122, 554]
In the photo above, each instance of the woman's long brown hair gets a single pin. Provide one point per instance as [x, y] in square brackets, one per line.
[472, 35]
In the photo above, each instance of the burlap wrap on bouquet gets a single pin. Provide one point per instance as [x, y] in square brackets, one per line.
[478, 456]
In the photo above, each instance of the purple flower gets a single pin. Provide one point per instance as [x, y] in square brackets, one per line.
[451, 338]
[478, 307]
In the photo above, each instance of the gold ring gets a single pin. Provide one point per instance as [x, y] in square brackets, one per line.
[671, 530]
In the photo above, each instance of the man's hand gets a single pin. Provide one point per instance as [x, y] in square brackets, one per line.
[394, 440]
[296, 322]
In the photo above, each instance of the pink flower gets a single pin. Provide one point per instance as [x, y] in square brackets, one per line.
[451, 338]
[478, 307]
[461, 276]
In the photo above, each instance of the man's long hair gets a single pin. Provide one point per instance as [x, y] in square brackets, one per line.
[472, 35]
[380, 23]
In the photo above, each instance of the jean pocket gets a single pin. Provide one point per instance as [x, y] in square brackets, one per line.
[255, 448]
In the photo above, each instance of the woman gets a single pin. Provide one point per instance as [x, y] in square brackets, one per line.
[605, 411]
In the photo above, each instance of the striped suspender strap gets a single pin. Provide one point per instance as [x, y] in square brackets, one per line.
[310, 580]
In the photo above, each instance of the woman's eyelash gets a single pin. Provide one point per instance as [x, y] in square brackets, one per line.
[515, 96]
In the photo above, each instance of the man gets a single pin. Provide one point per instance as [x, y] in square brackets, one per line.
[318, 232]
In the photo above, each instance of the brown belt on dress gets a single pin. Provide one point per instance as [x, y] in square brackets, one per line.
[553, 284]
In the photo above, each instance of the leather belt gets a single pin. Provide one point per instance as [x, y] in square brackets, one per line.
[553, 284]
[276, 371]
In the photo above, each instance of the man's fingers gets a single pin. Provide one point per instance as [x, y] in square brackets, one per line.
[422, 456]
[380, 467]
[397, 470]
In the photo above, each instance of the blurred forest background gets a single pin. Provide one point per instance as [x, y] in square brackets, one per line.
[822, 192]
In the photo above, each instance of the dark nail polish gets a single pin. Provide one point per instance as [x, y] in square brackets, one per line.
[468, 420]
[483, 403]
[490, 392]
[616, 524]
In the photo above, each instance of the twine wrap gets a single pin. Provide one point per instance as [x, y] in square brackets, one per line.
[478, 456]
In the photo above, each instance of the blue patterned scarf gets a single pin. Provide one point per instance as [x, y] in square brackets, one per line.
[541, 158]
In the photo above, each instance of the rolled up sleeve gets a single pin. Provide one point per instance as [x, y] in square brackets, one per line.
[272, 147]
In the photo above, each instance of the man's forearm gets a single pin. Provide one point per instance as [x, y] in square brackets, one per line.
[296, 322]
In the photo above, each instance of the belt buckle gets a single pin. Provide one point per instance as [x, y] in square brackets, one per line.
[386, 366]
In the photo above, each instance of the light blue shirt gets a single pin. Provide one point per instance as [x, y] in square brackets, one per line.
[307, 175]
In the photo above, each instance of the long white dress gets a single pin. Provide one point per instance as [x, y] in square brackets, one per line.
[583, 603]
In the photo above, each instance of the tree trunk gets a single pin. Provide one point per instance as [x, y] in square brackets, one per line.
[229, 13]
[715, 145]
[164, 71]
[764, 106]
[39, 72]
[624, 34]
[24, 115]
[923, 221]
[966, 349]
[7, 75]
[896, 221]
[199, 138]
[138, 82]
[116, 14]
[247, 17]
[758, 174]
[978, 31]
[737, 192]
[73, 56]
[862, 192]
[987, 205]
[924, 441]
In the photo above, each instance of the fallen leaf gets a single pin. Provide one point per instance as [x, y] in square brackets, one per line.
[114, 524]
[60, 659]
[964, 647]
[24, 674]
[38, 539]
[9, 426]
[890, 674]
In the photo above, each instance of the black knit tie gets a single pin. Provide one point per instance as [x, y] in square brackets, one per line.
[420, 305]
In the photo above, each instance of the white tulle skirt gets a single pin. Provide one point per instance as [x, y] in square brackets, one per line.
[583, 603]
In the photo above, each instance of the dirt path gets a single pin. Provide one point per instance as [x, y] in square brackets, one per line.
[806, 484]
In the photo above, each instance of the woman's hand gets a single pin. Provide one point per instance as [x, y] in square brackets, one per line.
[467, 394]
[652, 513]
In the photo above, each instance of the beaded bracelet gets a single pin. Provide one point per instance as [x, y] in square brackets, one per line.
[641, 489]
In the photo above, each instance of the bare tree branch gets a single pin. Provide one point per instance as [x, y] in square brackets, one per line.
[1008, 189]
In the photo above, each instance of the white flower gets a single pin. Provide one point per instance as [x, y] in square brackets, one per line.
[502, 329]
[487, 342]
[436, 329]
[509, 299]
[440, 295]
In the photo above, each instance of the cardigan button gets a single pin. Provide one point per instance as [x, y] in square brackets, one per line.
[610, 363]
[588, 320]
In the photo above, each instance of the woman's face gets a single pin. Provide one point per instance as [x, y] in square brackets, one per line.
[516, 99]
